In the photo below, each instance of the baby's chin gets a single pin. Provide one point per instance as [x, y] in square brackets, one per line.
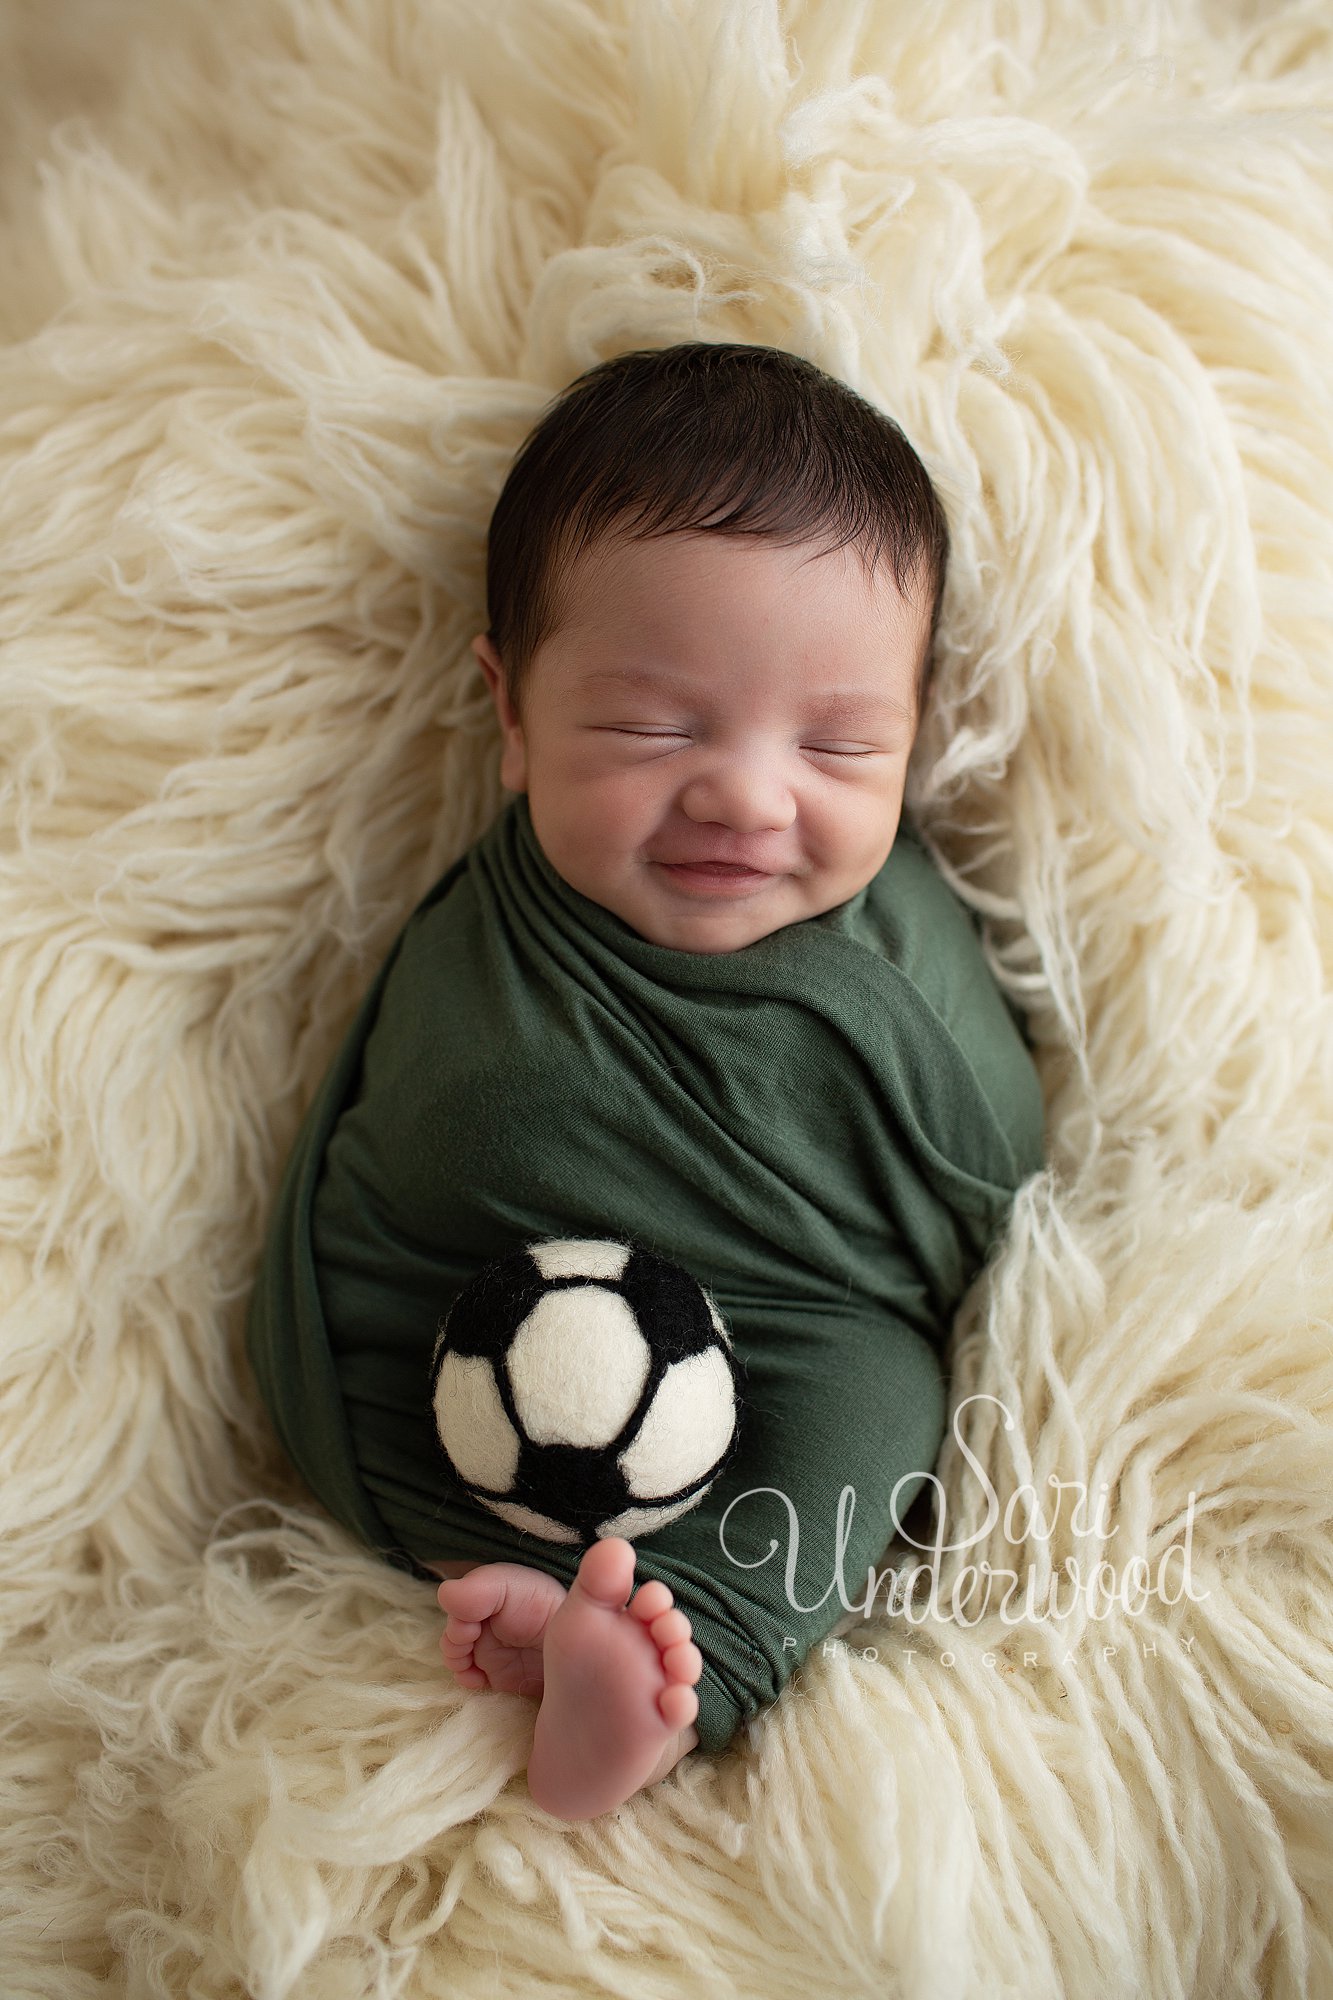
[713, 925]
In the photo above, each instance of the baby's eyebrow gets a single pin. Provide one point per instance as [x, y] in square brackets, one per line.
[836, 705]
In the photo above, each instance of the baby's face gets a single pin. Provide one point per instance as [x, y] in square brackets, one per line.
[684, 711]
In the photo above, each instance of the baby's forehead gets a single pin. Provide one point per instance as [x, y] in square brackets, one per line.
[677, 585]
[614, 561]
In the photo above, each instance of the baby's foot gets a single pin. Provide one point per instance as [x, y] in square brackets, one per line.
[498, 1614]
[619, 1688]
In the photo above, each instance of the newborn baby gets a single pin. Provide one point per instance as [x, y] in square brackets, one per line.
[698, 984]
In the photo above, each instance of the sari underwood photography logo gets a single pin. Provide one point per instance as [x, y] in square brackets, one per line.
[1021, 1595]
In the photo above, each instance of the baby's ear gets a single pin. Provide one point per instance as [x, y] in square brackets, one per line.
[513, 761]
[491, 664]
[493, 667]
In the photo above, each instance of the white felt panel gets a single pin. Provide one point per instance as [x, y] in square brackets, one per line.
[719, 1324]
[530, 1521]
[577, 1366]
[472, 1424]
[576, 1257]
[636, 1521]
[686, 1427]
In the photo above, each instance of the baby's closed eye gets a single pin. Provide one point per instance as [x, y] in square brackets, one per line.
[679, 736]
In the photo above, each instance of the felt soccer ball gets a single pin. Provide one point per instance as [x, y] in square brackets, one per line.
[586, 1387]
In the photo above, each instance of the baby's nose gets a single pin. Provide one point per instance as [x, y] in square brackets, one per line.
[746, 795]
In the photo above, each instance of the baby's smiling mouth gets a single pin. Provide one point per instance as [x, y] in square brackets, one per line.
[718, 867]
[704, 878]
[723, 863]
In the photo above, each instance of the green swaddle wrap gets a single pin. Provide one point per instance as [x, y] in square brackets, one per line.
[825, 1128]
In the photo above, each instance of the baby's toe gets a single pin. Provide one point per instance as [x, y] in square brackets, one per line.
[672, 1628]
[471, 1677]
[462, 1630]
[677, 1705]
[650, 1600]
[459, 1660]
[683, 1663]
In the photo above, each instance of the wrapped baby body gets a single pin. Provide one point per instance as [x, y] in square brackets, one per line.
[826, 1129]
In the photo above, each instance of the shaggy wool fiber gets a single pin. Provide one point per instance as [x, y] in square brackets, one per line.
[284, 286]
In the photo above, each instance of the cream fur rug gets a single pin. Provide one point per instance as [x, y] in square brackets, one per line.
[281, 297]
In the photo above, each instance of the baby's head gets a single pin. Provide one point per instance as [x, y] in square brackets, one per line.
[713, 581]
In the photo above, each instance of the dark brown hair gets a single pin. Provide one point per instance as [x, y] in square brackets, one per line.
[657, 441]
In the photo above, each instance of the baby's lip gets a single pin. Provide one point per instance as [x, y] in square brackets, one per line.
[717, 861]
